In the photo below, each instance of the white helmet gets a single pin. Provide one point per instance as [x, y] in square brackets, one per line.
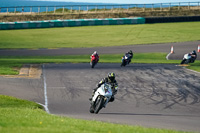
[95, 52]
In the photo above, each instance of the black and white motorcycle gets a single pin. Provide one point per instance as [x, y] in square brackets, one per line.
[125, 60]
[187, 59]
[101, 97]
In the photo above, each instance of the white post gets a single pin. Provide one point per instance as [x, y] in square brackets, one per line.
[112, 9]
[22, 10]
[160, 6]
[188, 5]
[46, 9]
[87, 8]
[198, 5]
[136, 7]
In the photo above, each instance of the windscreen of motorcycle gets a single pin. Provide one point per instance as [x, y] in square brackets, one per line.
[107, 89]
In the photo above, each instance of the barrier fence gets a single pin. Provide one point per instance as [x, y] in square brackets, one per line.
[78, 9]
[70, 23]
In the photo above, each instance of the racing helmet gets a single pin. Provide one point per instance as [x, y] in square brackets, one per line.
[111, 76]
[130, 52]
[95, 52]
[193, 52]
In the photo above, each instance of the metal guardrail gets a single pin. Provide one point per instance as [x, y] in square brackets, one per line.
[118, 8]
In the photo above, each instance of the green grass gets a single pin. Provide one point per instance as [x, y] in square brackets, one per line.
[21, 116]
[10, 62]
[195, 66]
[98, 36]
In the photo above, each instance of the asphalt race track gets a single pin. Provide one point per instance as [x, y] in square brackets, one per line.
[150, 95]
[180, 48]
[161, 96]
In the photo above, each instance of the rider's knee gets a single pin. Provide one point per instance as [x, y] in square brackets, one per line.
[112, 99]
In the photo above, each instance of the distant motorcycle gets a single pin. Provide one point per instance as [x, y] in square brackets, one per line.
[125, 60]
[101, 97]
[187, 59]
[94, 61]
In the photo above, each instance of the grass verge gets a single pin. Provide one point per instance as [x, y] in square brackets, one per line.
[99, 36]
[21, 116]
[10, 63]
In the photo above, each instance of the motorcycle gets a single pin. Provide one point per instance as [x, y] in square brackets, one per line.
[187, 59]
[94, 61]
[125, 60]
[101, 97]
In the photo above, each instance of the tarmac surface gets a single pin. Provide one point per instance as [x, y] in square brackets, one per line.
[179, 50]
[150, 95]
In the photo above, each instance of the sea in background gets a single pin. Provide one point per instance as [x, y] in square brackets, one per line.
[14, 3]
[19, 4]
[46, 6]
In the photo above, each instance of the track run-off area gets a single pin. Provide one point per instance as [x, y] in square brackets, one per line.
[151, 95]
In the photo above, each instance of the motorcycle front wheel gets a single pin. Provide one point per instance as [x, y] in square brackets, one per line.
[98, 104]
[91, 109]
[123, 63]
[93, 64]
[183, 61]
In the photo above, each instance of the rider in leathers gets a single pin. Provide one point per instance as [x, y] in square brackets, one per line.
[110, 79]
[129, 55]
[193, 55]
[95, 55]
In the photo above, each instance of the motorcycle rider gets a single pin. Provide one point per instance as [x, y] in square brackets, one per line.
[129, 55]
[193, 55]
[95, 55]
[111, 80]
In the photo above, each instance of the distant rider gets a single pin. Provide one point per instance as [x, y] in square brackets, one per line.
[129, 55]
[193, 55]
[95, 56]
[111, 80]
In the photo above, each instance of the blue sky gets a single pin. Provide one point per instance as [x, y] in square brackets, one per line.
[126, 1]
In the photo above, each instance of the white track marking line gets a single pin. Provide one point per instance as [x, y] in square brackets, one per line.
[45, 91]
[167, 57]
[41, 104]
[56, 87]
